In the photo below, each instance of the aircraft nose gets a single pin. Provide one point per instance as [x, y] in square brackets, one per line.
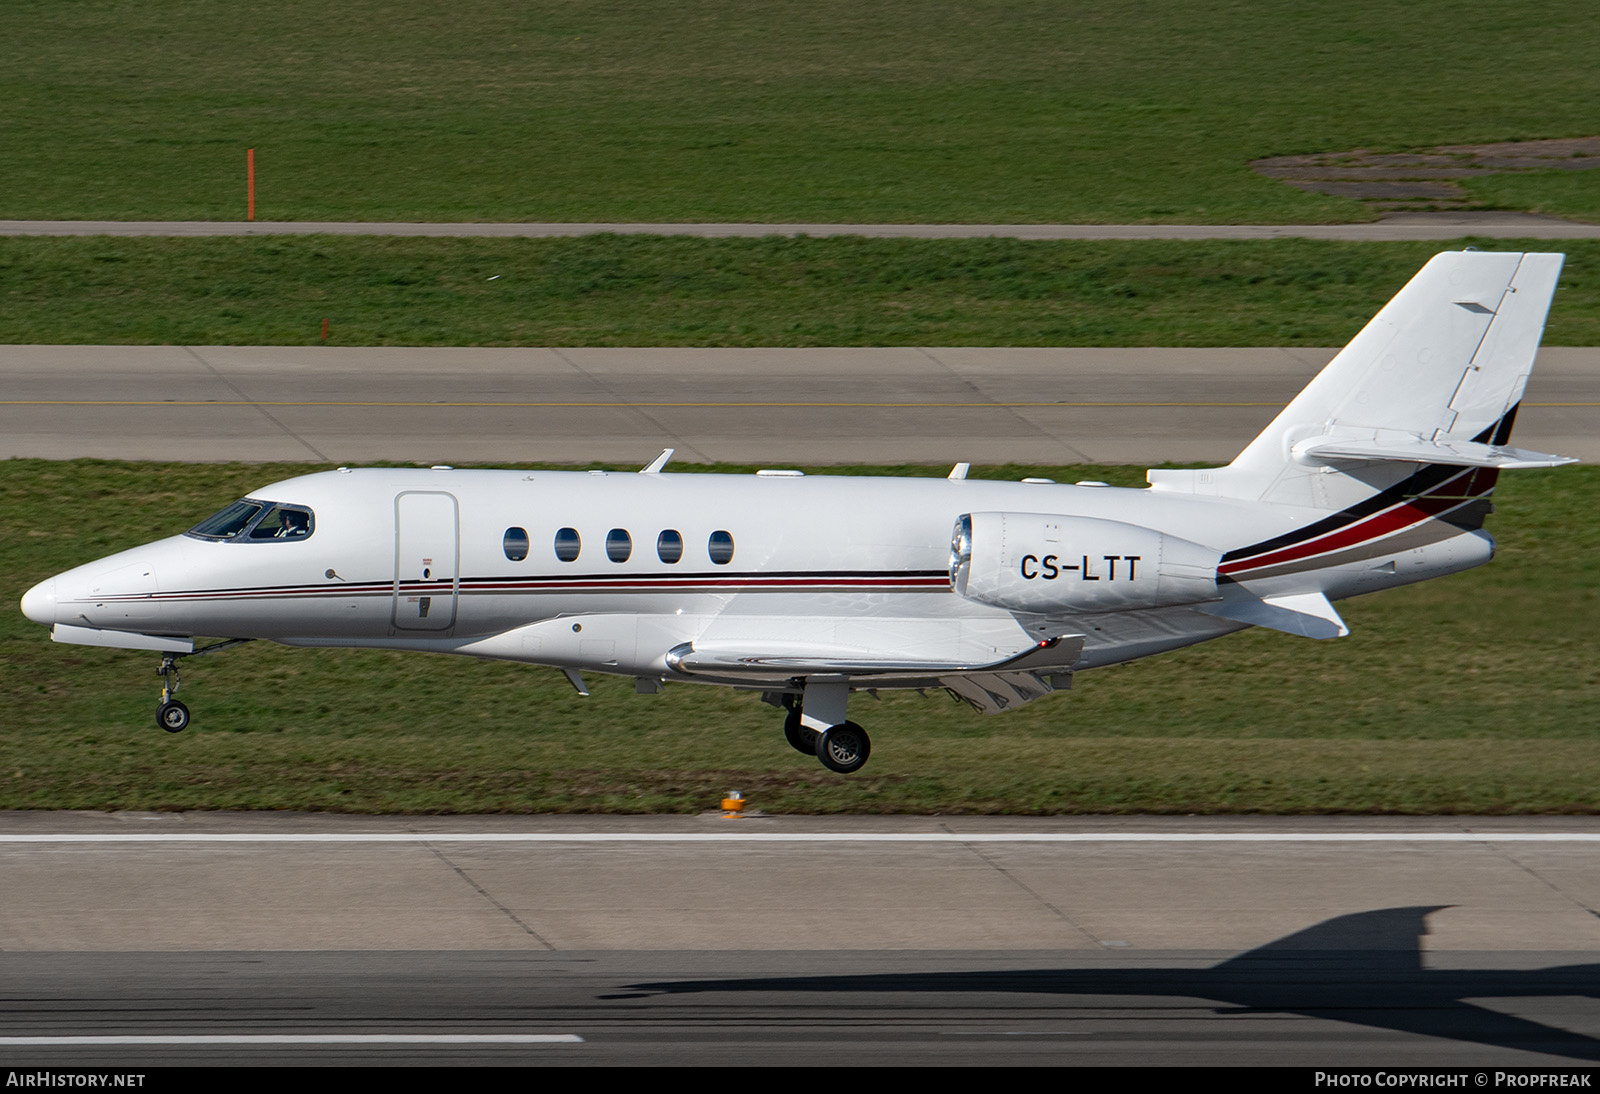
[39, 602]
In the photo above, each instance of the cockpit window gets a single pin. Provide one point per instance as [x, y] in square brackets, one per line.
[255, 520]
[230, 522]
[283, 522]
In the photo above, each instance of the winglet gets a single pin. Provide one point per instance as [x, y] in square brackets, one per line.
[959, 471]
[654, 466]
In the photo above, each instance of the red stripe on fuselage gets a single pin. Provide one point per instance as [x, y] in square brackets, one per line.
[1448, 495]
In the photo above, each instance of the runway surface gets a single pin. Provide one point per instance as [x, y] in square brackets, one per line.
[763, 406]
[172, 938]
[1399, 226]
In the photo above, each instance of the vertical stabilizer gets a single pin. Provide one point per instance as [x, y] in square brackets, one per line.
[1434, 378]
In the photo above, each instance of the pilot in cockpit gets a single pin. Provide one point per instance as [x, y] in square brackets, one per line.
[295, 524]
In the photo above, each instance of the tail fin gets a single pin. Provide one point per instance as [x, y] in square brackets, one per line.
[1434, 379]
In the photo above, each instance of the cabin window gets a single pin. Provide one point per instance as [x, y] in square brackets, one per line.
[721, 548]
[669, 546]
[516, 544]
[568, 545]
[619, 545]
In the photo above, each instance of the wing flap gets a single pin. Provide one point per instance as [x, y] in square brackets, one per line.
[994, 692]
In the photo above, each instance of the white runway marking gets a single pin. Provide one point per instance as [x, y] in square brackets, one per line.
[307, 1039]
[803, 837]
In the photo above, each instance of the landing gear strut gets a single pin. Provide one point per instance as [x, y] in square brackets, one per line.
[172, 715]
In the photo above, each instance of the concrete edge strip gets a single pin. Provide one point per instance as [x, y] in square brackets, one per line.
[800, 837]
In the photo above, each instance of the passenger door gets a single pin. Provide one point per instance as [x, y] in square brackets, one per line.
[427, 556]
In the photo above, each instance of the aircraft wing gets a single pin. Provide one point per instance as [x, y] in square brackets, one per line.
[991, 687]
[763, 659]
[993, 665]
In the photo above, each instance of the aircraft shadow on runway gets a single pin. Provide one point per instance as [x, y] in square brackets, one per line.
[1365, 968]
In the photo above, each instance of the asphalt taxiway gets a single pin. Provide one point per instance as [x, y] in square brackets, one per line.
[173, 938]
[765, 406]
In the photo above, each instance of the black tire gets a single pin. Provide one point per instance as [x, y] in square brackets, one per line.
[844, 748]
[172, 716]
[801, 739]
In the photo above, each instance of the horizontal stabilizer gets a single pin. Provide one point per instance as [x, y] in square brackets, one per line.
[1308, 615]
[120, 640]
[1415, 449]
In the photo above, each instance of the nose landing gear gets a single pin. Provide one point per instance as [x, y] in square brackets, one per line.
[172, 715]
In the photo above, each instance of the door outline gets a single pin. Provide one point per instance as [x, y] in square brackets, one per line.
[433, 620]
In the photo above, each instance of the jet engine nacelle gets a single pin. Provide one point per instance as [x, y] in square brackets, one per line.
[1034, 562]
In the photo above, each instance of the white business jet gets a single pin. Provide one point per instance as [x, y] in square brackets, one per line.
[808, 588]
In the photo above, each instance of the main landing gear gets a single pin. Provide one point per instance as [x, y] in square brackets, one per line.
[843, 748]
[841, 745]
[172, 715]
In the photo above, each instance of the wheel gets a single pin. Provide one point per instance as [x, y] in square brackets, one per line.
[844, 748]
[172, 716]
[800, 738]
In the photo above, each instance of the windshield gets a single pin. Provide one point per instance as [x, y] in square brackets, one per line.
[228, 523]
[254, 521]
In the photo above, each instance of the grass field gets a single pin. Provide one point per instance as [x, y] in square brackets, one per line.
[1571, 194]
[1473, 694]
[642, 291]
[766, 110]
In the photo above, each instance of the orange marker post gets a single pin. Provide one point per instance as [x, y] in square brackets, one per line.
[250, 183]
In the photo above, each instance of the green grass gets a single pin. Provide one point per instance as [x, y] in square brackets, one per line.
[770, 110]
[1574, 195]
[1470, 694]
[642, 291]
